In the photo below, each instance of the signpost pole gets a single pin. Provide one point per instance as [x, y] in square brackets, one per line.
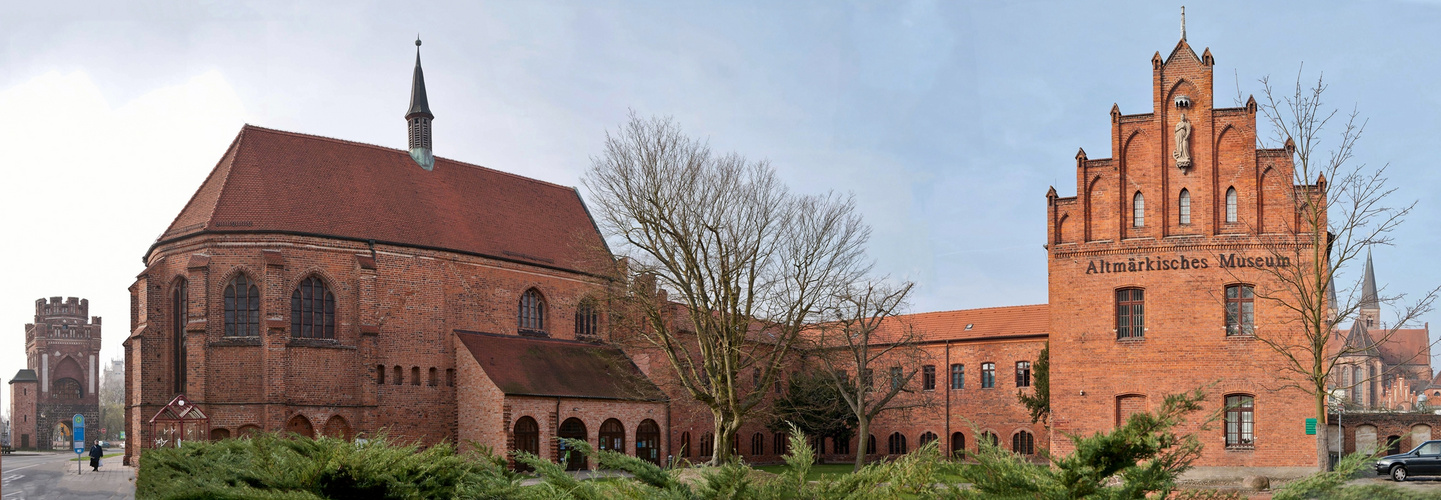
[78, 422]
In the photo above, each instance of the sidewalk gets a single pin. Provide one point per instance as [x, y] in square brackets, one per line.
[112, 481]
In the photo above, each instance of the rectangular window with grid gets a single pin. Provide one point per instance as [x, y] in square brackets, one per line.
[897, 377]
[1130, 313]
[1240, 423]
[988, 375]
[1240, 310]
[928, 377]
[1023, 374]
[958, 376]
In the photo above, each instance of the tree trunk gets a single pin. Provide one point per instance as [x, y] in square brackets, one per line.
[1323, 452]
[863, 433]
[725, 428]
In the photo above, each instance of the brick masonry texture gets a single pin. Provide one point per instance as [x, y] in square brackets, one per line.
[1185, 346]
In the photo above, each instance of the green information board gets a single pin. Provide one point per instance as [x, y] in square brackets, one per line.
[1310, 427]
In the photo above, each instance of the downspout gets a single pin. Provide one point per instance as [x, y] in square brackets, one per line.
[950, 445]
[669, 442]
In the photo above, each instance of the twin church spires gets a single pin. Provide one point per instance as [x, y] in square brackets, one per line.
[418, 118]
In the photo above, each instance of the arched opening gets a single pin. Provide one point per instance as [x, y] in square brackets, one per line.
[312, 310]
[248, 430]
[60, 436]
[896, 444]
[242, 308]
[337, 427]
[871, 444]
[991, 438]
[958, 445]
[647, 441]
[1393, 445]
[707, 445]
[531, 320]
[1231, 205]
[612, 436]
[300, 425]
[781, 443]
[67, 388]
[1185, 206]
[927, 438]
[527, 439]
[1138, 207]
[685, 445]
[587, 320]
[1023, 443]
[178, 317]
[218, 434]
[572, 428]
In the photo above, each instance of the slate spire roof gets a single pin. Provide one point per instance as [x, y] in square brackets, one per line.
[418, 103]
[1368, 287]
[276, 182]
[1359, 341]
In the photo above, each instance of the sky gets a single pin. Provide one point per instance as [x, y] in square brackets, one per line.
[946, 120]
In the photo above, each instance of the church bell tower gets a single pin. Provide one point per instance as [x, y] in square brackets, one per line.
[419, 117]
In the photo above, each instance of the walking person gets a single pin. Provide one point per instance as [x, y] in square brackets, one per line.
[95, 453]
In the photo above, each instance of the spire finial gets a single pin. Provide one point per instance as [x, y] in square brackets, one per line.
[417, 35]
[1183, 25]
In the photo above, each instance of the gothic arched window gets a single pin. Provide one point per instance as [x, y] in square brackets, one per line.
[587, 320]
[1138, 207]
[178, 317]
[67, 388]
[1185, 205]
[312, 310]
[242, 308]
[532, 312]
[1230, 205]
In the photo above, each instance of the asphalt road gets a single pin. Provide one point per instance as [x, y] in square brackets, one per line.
[44, 475]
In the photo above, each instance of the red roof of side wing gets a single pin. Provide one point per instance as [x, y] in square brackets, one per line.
[275, 181]
[967, 324]
[527, 366]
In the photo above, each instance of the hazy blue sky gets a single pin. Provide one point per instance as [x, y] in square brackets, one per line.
[947, 120]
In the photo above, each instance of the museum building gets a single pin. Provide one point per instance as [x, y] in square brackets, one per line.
[322, 286]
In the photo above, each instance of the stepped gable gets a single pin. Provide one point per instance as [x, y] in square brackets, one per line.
[526, 366]
[271, 181]
[968, 324]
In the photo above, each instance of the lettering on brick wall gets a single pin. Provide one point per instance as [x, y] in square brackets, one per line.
[1182, 262]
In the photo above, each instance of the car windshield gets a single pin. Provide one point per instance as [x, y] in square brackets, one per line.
[1431, 448]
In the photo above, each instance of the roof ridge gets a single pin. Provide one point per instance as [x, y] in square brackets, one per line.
[975, 309]
[403, 152]
[230, 153]
[528, 338]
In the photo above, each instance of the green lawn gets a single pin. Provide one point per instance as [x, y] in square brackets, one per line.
[108, 455]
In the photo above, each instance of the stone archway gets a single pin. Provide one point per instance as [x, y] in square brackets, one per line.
[300, 425]
[572, 428]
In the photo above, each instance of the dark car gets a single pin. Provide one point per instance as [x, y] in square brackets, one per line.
[1425, 460]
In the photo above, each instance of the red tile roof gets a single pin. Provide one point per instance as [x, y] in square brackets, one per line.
[530, 366]
[969, 324]
[1411, 346]
[275, 181]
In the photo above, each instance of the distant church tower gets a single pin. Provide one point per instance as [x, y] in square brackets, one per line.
[419, 117]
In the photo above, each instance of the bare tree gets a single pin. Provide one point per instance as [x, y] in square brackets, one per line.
[749, 263]
[1342, 209]
[861, 333]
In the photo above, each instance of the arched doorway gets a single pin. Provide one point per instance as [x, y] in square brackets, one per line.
[60, 436]
[527, 439]
[647, 441]
[337, 427]
[958, 445]
[612, 436]
[300, 425]
[218, 434]
[572, 428]
[248, 430]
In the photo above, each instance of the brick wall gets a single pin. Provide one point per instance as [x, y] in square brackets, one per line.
[22, 415]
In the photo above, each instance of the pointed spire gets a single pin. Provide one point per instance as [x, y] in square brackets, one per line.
[1183, 22]
[1331, 297]
[1369, 300]
[418, 103]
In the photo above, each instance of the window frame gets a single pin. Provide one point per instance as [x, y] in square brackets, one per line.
[898, 378]
[1241, 322]
[928, 378]
[530, 313]
[1184, 206]
[587, 320]
[241, 314]
[1127, 300]
[1232, 207]
[958, 376]
[306, 322]
[1138, 210]
[1023, 442]
[988, 375]
[1239, 421]
[1023, 374]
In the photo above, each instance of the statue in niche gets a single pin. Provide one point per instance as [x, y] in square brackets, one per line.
[1182, 154]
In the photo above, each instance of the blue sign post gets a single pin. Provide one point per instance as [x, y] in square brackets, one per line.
[79, 424]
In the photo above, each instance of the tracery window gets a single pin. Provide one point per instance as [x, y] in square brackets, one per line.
[587, 320]
[179, 315]
[1240, 310]
[1023, 443]
[896, 444]
[67, 388]
[758, 444]
[926, 438]
[532, 312]
[1130, 313]
[242, 308]
[1240, 422]
[312, 310]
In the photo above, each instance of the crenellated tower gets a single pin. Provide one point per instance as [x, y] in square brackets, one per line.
[62, 350]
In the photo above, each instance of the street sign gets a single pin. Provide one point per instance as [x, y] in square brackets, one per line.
[79, 424]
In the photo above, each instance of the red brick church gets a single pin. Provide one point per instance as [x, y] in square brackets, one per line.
[322, 286]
